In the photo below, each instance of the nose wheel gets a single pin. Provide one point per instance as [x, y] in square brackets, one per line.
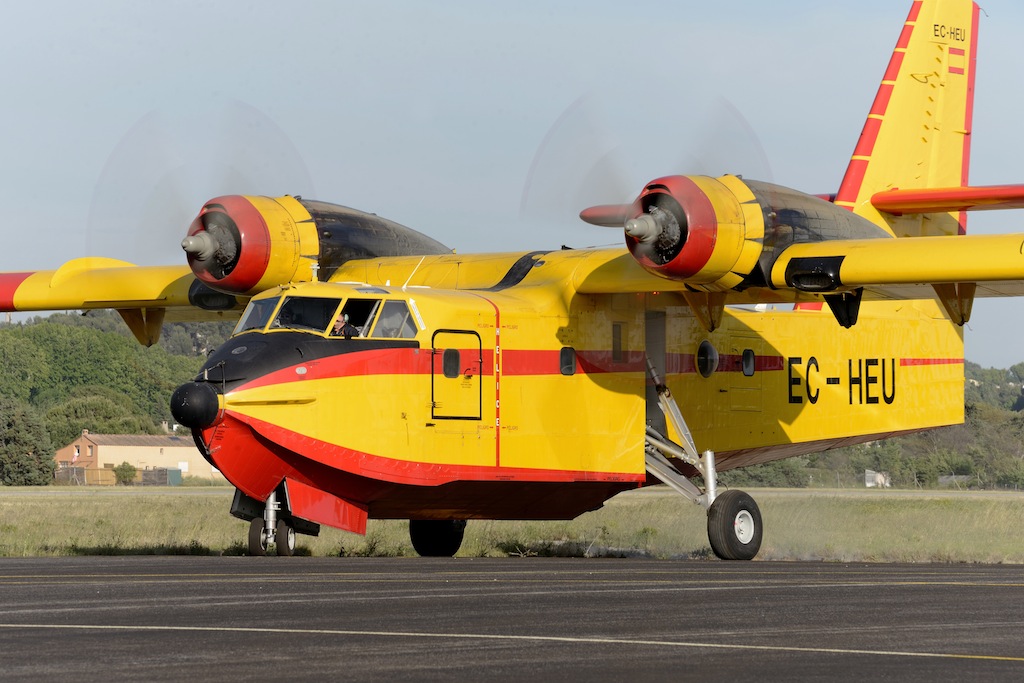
[271, 529]
[258, 537]
[284, 539]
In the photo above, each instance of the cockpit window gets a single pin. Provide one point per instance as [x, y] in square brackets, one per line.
[395, 321]
[306, 313]
[257, 315]
[358, 313]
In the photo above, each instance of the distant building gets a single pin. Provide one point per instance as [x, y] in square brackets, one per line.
[874, 479]
[91, 458]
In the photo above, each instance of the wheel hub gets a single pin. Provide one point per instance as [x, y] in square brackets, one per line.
[743, 526]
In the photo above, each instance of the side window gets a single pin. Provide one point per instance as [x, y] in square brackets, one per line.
[395, 321]
[749, 362]
[360, 314]
[567, 360]
[450, 364]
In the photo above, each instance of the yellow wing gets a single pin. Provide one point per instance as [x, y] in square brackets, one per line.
[956, 269]
[145, 296]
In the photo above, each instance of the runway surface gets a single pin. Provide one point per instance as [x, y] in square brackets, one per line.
[240, 618]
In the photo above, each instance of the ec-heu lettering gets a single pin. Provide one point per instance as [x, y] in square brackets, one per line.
[957, 33]
[869, 381]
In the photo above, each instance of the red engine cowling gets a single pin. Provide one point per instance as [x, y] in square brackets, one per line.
[701, 230]
[721, 233]
[244, 245]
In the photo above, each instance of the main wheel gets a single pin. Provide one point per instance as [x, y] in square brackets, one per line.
[734, 526]
[257, 537]
[436, 537]
[285, 539]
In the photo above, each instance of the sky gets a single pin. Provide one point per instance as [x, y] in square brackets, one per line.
[486, 126]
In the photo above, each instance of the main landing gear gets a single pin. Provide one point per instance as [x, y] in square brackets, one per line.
[734, 521]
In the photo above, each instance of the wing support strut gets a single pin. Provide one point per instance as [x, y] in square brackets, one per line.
[845, 306]
[145, 323]
[957, 299]
[707, 307]
[660, 452]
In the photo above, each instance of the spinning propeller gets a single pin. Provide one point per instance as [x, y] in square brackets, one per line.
[170, 162]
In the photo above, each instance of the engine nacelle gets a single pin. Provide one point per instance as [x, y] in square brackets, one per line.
[722, 233]
[696, 229]
[244, 245]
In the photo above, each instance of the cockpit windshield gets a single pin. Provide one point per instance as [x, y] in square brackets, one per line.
[257, 315]
[359, 317]
[306, 313]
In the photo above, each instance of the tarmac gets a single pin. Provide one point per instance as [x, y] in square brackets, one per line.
[405, 619]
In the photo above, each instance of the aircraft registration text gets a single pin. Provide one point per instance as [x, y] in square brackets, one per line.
[868, 380]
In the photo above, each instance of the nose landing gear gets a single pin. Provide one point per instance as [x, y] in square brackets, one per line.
[271, 529]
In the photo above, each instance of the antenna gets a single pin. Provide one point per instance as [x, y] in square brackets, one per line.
[413, 273]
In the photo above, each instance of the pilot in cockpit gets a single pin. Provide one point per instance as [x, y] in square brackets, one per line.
[343, 328]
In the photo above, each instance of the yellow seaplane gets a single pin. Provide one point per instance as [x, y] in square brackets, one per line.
[374, 373]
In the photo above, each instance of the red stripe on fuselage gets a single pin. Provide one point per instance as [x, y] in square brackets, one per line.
[910, 362]
[516, 363]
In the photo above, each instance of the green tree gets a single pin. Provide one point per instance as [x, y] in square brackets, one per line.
[789, 473]
[78, 356]
[26, 457]
[125, 473]
[25, 366]
[993, 386]
[98, 409]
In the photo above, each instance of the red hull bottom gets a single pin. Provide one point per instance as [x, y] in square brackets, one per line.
[320, 493]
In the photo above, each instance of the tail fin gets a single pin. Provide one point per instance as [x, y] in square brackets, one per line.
[917, 134]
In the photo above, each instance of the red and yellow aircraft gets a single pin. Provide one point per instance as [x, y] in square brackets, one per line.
[374, 373]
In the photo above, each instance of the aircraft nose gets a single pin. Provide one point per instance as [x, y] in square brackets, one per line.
[195, 405]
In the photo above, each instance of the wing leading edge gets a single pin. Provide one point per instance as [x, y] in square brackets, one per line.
[145, 296]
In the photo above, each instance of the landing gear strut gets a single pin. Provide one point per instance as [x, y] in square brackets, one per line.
[271, 529]
[734, 520]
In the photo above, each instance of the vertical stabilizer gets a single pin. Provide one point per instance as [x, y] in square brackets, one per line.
[918, 132]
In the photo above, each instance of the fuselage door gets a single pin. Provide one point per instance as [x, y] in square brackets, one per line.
[455, 386]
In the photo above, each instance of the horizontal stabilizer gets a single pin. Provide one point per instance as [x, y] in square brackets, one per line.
[942, 199]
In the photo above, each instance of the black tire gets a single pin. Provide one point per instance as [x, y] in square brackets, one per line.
[284, 540]
[734, 526]
[257, 537]
[436, 537]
